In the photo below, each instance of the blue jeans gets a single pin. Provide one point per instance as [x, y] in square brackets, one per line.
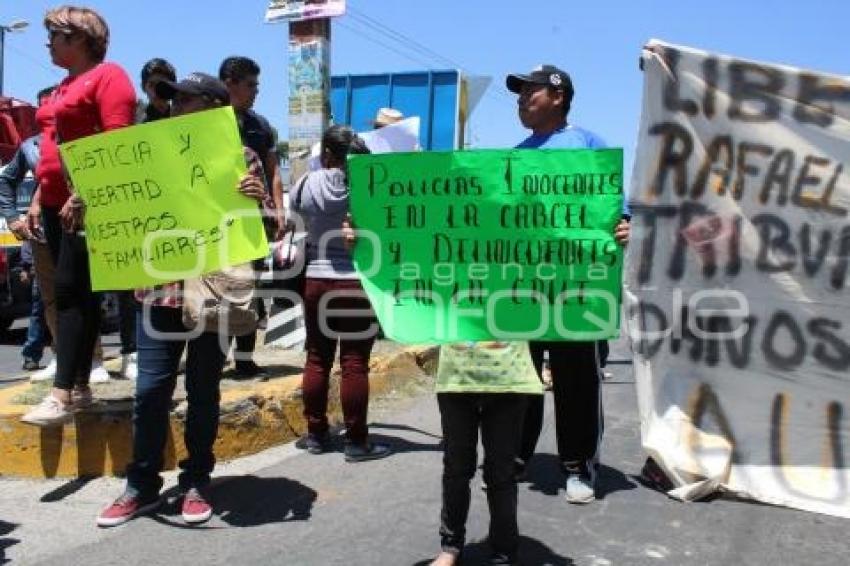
[36, 331]
[158, 360]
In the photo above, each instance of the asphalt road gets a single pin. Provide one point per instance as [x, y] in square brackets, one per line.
[287, 507]
[10, 352]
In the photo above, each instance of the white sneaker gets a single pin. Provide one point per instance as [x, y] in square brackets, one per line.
[46, 373]
[50, 412]
[98, 373]
[579, 489]
[129, 368]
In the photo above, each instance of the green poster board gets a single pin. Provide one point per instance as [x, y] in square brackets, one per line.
[161, 200]
[490, 244]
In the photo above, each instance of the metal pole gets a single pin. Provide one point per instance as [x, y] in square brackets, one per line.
[309, 80]
[16, 25]
[309, 77]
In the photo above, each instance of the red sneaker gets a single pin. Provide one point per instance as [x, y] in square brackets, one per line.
[195, 507]
[125, 508]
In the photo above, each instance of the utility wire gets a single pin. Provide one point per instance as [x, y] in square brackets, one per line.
[51, 70]
[367, 36]
[412, 44]
[401, 38]
[365, 21]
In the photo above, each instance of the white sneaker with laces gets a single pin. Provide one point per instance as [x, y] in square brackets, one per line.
[129, 368]
[45, 374]
[50, 412]
[579, 489]
[98, 373]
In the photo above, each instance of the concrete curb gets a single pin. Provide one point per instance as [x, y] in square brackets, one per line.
[254, 417]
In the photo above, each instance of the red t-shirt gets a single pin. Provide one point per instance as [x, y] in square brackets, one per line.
[101, 99]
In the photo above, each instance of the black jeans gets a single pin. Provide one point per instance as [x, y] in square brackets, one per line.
[158, 359]
[77, 306]
[52, 231]
[127, 321]
[246, 343]
[499, 416]
[578, 402]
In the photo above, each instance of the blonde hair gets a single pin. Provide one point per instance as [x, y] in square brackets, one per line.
[77, 19]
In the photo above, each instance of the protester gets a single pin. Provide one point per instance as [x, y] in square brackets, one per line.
[241, 75]
[159, 357]
[37, 334]
[544, 101]
[29, 228]
[482, 386]
[96, 96]
[335, 307]
[153, 72]
[11, 178]
[156, 108]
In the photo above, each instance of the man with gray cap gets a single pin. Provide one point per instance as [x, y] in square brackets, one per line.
[545, 95]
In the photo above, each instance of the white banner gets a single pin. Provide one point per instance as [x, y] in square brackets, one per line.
[737, 289]
[401, 136]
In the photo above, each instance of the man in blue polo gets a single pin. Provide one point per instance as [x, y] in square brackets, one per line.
[544, 98]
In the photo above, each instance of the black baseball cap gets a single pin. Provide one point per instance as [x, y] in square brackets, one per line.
[548, 75]
[195, 83]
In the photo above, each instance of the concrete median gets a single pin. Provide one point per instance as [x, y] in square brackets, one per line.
[255, 415]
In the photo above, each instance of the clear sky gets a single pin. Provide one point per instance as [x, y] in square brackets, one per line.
[597, 41]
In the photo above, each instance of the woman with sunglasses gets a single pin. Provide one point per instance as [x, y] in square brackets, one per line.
[95, 97]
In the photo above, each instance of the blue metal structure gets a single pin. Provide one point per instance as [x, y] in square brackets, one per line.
[434, 96]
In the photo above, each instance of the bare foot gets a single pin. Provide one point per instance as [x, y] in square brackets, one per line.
[445, 559]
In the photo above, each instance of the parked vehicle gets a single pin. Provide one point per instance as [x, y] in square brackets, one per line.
[17, 123]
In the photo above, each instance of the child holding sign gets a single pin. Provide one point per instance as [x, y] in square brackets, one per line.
[482, 386]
